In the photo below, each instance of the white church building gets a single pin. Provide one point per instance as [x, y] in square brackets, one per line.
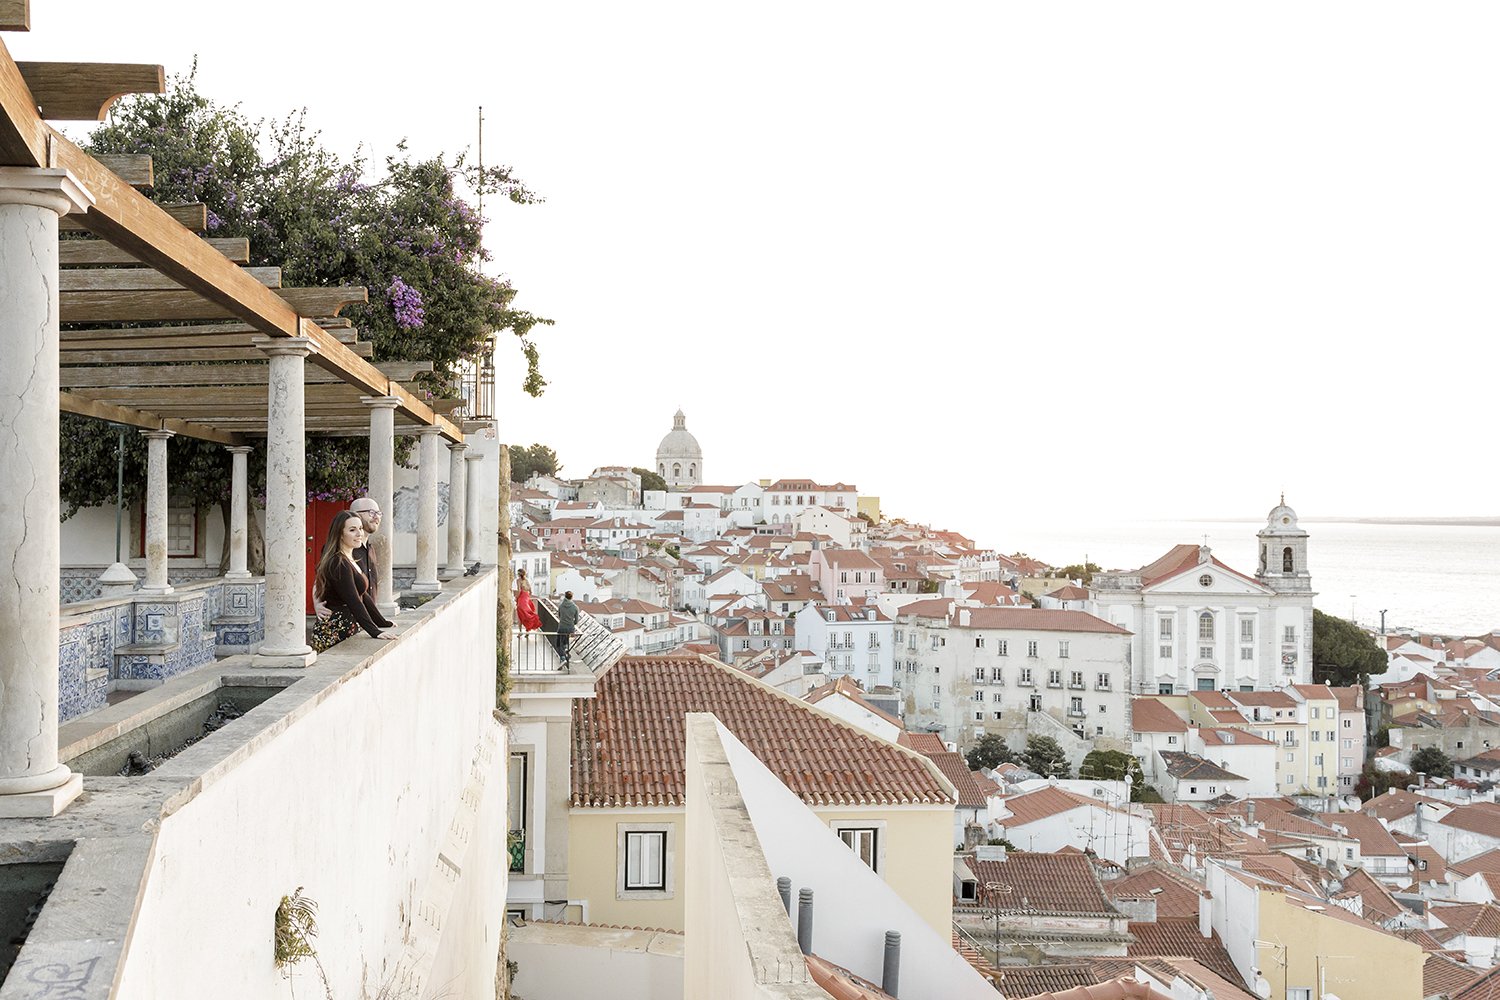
[1199, 625]
[679, 457]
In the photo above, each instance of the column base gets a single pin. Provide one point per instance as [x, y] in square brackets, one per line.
[157, 591]
[43, 804]
[240, 575]
[430, 587]
[449, 573]
[389, 611]
[266, 656]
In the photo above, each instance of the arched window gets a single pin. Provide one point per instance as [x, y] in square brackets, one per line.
[1286, 559]
[664, 469]
[676, 470]
[1206, 625]
[692, 470]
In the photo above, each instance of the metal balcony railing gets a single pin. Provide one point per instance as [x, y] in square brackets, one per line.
[592, 647]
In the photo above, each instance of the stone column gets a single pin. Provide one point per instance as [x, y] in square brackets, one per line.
[430, 445]
[383, 492]
[471, 505]
[285, 643]
[32, 782]
[156, 512]
[239, 514]
[458, 509]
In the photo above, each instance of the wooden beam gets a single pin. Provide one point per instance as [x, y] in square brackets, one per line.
[211, 396]
[15, 15]
[188, 355]
[148, 307]
[344, 334]
[193, 217]
[84, 91]
[125, 339]
[135, 169]
[23, 134]
[77, 253]
[143, 279]
[149, 421]
[108, 375]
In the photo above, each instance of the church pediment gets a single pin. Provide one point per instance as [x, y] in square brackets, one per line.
[1211, 578]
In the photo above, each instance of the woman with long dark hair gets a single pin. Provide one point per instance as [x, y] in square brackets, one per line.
[525, 606]
[345, 588]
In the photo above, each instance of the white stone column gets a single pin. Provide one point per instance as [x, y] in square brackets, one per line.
[32, 782]
[472, 459]
[285, 643]
[156, 512]
[383, 492]
[239, 514]
[458, 509]
[430, 451]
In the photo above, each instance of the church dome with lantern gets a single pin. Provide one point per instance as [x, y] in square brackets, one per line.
[679, 457]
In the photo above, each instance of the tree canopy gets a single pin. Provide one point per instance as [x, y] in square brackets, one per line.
[1114, 765]
[537, 460]
[650, 480]
[1432, 762]
[989, 752]
[406, 233]
[1343, 653]
[1044, 756]
[1080, 571]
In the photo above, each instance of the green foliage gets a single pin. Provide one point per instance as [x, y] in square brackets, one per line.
[1432, 762]
[1148, 794]
[673, 551]
[1343, 653]
[1373, 782]
[1043, 756]
[1114, 765]
[650, 480]
[408, 236]
[1084, 571]
[538, 460]
[1382, 737]
[295, 928]
[926, 586]
[989, 752]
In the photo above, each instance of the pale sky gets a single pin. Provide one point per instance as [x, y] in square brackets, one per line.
[994, 262]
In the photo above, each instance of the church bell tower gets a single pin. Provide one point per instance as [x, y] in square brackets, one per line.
[1283, 552]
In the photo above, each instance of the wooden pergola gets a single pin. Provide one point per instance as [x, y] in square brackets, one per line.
[187, 361]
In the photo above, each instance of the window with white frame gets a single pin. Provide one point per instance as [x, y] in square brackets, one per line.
[644, 858]
[1164, 652]
[1031, 648]
[1206, 625]
[1062, 649]
[1002, 648]
[864, 841]
[1164, 627]
[1247, 630]
[1289, 634]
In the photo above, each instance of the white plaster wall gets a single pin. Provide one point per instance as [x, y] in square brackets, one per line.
[1112, 835]
[853, 906]
[858, 715]
[567, 961]
[1235, 916]
[351, 795]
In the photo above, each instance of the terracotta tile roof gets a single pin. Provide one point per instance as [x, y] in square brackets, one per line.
[1489, 861]
[1474, 919]
[1071, 592]
[1374, 839]
[1394, 805]
[973, 956]
[1180, 936]
[1437, 866]
[1263, 699]
[1035, 620]
[1044, 802]
[951, 763]
[1114, 989]
[1167, 969]
[987, 784]
[1147, 715]
[1234, 738]
[1419, 936]
[1180, 559]
[629, 740]
[1443, 976]
[1379, 904]
[1351, 699]
[849, 688]
[841, 984]
[923, 743]
[1035, 980]
[1178, 896]
[935, 607]
[1189, 766]
[1283, 870]
[1482, 818]
[1211, 699]
[1062, 884]
[1486, 987]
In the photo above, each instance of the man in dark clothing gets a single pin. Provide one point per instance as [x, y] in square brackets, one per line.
[567, 621]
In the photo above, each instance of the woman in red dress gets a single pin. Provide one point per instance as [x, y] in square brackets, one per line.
[525, 606]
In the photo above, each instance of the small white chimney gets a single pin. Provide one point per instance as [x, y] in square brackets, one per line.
[964, 617]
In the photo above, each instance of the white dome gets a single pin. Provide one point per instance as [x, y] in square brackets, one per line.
[679, 442]
[1281, 521]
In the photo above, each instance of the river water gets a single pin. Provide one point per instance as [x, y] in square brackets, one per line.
[1439, 578]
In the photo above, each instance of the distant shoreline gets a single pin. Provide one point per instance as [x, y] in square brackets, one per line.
[1454, 522]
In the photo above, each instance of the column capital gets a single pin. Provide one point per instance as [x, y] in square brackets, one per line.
[158, 435]
[238, 449]
[299, 347]
[426, 429]
[378, 402]
[44, 187]
[458, 447]
[473, 456]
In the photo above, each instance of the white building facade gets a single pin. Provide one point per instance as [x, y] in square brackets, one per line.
[1199, 625]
